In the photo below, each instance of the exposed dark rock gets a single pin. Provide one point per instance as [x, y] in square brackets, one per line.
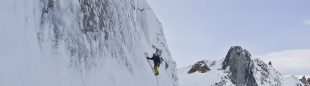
[51, 4]
[269, 63]
[305, 81]
[221, 83]
[240, 65]
[200, 66]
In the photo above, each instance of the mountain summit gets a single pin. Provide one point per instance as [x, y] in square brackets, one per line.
[238, 68]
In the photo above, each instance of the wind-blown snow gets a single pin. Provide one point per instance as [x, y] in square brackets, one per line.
[81, 43]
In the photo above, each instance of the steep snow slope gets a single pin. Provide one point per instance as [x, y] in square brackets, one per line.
[81, 43]
[237, 69]
[291, 81]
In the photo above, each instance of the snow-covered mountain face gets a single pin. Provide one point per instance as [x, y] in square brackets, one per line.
[81, 43]
[237, 69]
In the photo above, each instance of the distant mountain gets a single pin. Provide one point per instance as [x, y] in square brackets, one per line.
[305, 81]
[236, 69]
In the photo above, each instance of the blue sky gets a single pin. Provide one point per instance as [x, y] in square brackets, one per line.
[198, 29]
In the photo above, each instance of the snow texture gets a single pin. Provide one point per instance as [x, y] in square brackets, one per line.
[81, 43]
[291, 81]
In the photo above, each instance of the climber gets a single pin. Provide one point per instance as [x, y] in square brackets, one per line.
[157, 60]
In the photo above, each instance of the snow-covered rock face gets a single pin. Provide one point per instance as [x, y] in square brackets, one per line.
[305, 81]
[240, 65]
[237, 69]
[83, 43]
[266, 74]
[91, 30]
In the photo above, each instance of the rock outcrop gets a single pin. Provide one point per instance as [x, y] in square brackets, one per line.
[305, 81]
[238, 62]
[200, 66]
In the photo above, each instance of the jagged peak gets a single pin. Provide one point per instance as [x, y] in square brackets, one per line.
[305, 81]
[240, 65]
[236, 53]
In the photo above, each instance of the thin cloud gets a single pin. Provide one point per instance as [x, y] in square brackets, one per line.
[307, 22]
[295, 62]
